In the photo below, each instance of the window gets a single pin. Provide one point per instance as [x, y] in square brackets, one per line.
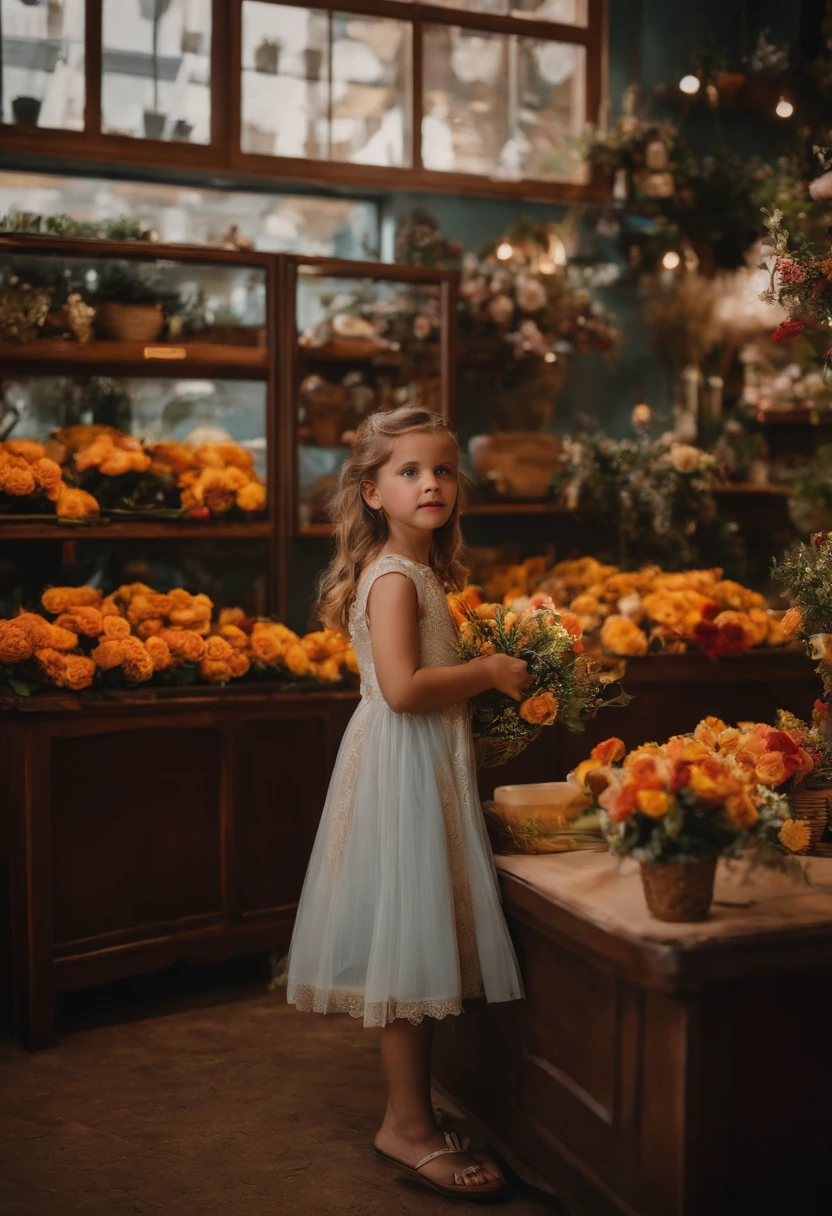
[43, 64]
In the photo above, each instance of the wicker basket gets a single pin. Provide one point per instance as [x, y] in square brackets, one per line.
[492, 751]
[679, 891]
[129, 322]
[811, 807]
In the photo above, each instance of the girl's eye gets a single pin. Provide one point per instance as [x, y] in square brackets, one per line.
[445, 471]
[407, 472]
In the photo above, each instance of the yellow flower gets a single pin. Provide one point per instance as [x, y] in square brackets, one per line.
[329, 671]
[540, 710]
[795, 835]
[251, 497]
[217, 650]
[621, 636]
[63, 599]
[52, 664]
[237, 638]
[653, 803]
[76, 504]
[79, 672]
[28, 449]
[109, 654]
[297, 660]
[215, 671]
[239, 663]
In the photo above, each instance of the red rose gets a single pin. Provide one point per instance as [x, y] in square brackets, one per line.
[787, 330]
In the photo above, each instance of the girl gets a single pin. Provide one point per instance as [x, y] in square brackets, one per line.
[399, 920]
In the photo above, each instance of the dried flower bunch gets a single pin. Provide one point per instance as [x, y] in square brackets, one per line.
[698, 796]
[655, 494]
[566, 686]
[136, 634]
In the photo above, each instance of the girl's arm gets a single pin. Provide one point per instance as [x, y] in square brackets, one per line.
[410, 689]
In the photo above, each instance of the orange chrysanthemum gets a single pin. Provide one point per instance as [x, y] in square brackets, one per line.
[47, 475]
[217, 649]
[64, 599]
[17, 479]
[87, 622]
[37, 630]
[251, 497]
[76, 504]
[27, 449]
[159, 653]
[215, 671]
[79, 672]
[52, 664]
[15, 645]
[115, 627]
[109, 654]
[239, 663]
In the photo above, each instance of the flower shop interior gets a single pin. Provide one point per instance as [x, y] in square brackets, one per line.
[595, 236]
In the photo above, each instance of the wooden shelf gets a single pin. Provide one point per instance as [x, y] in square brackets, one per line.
[172, 359]
[547, 507]
[140, 530]
[748, 489]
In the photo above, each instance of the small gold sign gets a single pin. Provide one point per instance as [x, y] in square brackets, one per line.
[165, 352]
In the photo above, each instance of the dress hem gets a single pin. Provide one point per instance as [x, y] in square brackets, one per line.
[309, 999]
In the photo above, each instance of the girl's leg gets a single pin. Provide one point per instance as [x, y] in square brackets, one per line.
[409, 1130]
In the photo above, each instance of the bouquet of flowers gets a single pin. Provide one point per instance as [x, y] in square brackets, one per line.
[801, 275]
[696, 798]
[566, 686]
[806, 573]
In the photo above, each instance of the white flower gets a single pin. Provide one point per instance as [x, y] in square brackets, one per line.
[684, 457]
[531, 294]
[501, 309]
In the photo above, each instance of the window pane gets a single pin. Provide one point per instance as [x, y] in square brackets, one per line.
[287, 104]
[501, 105]
[43, 63]
[565, 12]
[156, 69]
[476, 6]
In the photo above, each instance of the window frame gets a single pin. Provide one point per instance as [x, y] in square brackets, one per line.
[224, 154]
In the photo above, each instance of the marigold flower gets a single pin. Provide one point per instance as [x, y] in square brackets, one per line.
[79, 672]
[251, 497]
[86, 621]
[138, 667]
[217, 649]
[76, 504]
[795, 835]
[328, 670]
[115, 627]
[653, 803]
[237, 638]
[239, 663]
[62, 639]
[48, 476]
[215, 671]
[52, 663]
[621, 636]
[150, 628]
[15, 645]
[17, 480]
[185, 645]
[28, 449]
[37, 629]
[64, 599]
[792, 622]
[231, 616]
[108, 654]
[297, 660]
[159, 653]
[540, 710]
[268, 647]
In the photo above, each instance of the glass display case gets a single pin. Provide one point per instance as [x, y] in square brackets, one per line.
[43, 63]
[363, 338]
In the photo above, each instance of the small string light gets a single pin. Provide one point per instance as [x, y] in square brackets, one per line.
[690, 84]
[505, 250]
[784, 108]
[550, 357]
[671, 260]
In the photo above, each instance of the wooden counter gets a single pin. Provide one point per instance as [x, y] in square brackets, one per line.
[656, 1070]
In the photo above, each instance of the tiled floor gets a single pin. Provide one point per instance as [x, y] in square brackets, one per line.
[242, 1108]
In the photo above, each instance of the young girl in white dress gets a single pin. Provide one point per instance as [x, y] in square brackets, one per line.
[399, 921]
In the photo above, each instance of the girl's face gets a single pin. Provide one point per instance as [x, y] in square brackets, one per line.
[417, 486]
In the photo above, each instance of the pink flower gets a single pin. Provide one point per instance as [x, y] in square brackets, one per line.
[787, 330]
[790, 272]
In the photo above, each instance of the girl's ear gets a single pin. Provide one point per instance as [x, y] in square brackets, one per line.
[370, 494]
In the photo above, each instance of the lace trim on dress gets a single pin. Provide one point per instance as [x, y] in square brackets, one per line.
[340, 828]
[309, 999]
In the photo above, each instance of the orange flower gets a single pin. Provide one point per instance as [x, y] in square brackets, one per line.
[238, 663]
[251, 497]
[297, 660]
[185, 645]
[459, 601]
[215, 671]
[64, 599]
[742, 809]
[151, 628]
[267, 646]
[15, 645]
[80, 672]
[619, 801]
[795, 835]
[217, 649]
[237, 638]
[17, 480]
[653, 803]
[728, 741]
[231, 616]
[27, 449]
[792, 622]
[76, 504]
[138, 667]
[486, 648]
[115, 627]
[540, 710]
[84, 621]
[329, 671]
[771, 769]
[611, 751]
[52, 664]
[37, 630]
[62, 639]
[621, 636]
[109, 654]
[159, 653]
[571, 624]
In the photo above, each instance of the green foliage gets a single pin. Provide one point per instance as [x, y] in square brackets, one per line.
[806, 573]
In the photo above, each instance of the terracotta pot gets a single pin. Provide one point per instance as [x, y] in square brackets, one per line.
[681, 892]
[811, 807]
[128, 322]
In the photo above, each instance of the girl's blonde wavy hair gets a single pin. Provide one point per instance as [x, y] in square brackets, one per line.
[360, 532]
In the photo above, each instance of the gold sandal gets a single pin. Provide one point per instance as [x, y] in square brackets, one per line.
[485, 1190]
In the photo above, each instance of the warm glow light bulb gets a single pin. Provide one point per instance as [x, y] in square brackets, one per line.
[550, 357]
[784, 108]
[504, 251]
[671, 260]
[689, 84]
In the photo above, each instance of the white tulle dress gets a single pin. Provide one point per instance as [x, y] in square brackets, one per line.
[400, 912]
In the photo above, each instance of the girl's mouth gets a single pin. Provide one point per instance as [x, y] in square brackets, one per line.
[432, 506]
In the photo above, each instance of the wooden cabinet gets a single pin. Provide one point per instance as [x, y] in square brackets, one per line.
[141, 830]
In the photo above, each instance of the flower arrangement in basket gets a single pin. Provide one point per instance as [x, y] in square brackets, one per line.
[566, 686]
[676, 808]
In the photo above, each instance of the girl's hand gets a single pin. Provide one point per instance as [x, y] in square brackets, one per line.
[509, 675]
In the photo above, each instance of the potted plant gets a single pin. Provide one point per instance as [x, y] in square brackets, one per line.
[267, 56]
[131, 301]
[677, 808]
[154, 120]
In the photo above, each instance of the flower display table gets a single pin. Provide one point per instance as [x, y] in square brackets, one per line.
[655, 1069]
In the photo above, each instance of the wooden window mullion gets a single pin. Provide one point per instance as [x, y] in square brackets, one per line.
[93, 61]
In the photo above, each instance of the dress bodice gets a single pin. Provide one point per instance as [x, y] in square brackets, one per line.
[437, 632]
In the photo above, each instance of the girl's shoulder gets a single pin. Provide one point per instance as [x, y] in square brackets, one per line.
[388, 563]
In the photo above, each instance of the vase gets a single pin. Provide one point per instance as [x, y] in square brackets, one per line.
[154, 124]
[129, 322]
[812, 807]
[267, 57]
[183, 130]
[680, 891]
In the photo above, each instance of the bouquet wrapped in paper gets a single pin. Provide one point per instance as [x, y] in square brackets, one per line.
[565, 687]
